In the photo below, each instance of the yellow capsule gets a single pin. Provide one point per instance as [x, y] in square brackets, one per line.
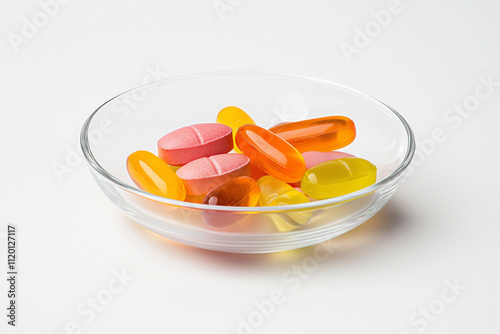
[234, 117]
[274, 192]
[153, 175]
[289, 221]
[338, 177]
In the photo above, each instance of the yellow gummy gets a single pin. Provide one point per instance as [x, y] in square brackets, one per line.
[338, 177]
[234, 117]
[274, 192]
[153, 175]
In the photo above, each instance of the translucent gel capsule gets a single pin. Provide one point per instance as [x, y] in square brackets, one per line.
[152, 174]
[194, 198]
[338, 177]
[300, 190]
[318, 134]
[270, 153]
[255, 172]
[234, 117]
[274, 192]
[239, 191]
[313, 158]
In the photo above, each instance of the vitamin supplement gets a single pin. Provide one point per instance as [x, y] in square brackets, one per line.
[195, 198]
[256, 172]
[274, 192]
[193, 142]
[318, 134]
[338, 177]
[239, 191]
[234, 117]
[291, 220]
[300, 190]
[270, 153]
[193, 165]
[313, 158]
[153, 175]
[203, 175]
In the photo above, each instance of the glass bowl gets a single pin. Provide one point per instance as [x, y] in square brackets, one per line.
[136, 119]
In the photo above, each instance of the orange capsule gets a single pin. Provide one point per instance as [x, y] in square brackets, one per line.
[318, 134]
[255, 172]
[270, 153]
[238, 191]
[195, 198]
[234, 117]
[153, 175]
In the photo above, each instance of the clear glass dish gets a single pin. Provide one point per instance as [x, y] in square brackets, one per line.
[136, 119]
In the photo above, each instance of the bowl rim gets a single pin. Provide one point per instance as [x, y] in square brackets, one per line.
[94, 164]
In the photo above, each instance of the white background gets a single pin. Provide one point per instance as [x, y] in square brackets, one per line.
[441, 226]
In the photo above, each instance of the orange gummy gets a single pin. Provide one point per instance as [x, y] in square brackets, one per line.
[317, 134]
[270, 153]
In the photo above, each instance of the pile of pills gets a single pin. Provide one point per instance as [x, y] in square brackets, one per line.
[289, 163]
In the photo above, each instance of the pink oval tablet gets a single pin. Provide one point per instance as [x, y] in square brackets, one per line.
[192, 142]
[203, 175]
[313, 158]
